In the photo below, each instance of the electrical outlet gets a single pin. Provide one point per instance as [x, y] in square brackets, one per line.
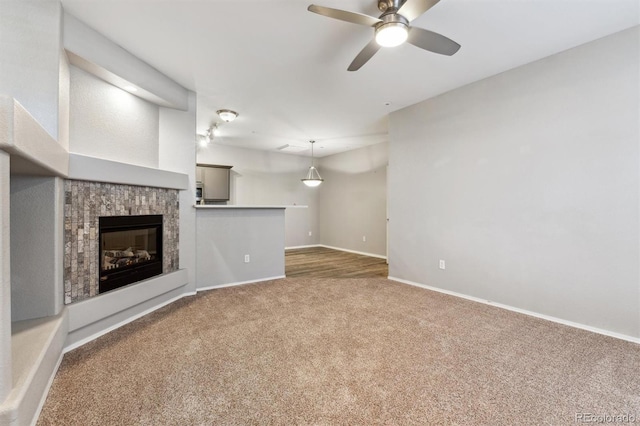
[310, 233]
[364, 238]
[442, 265]
[247, 258]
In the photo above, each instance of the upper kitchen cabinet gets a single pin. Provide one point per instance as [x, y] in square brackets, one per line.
[215, 181]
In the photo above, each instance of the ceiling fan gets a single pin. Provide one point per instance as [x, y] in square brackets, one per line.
[392, 28]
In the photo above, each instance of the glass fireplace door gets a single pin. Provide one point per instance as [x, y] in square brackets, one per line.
[130, 249]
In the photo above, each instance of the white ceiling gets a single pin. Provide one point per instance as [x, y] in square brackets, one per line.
[284, 69]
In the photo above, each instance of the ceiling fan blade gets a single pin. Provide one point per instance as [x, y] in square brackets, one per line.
[343, 15]
[433, 42]
[411, 9]
[364, 55]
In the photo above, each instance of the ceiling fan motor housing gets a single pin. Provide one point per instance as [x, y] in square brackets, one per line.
[392, 18]
[384, 5]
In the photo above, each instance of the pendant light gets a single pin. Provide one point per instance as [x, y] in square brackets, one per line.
[313, 177]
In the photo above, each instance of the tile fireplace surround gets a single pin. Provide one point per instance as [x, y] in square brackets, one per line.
[84, 203]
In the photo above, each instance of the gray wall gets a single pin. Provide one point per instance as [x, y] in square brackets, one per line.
[36, 247]
[352, 200]
[270, 178]
[526, 183]
[225, 236]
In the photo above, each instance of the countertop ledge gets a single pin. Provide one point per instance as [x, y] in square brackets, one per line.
[235, 206]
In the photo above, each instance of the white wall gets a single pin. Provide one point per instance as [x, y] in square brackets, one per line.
[64, 91]
[177, 152]
[352, 200]
[30, 45]
[92, 51]
[5, 279]
[270, 178]
[526, 183]
[110, 123]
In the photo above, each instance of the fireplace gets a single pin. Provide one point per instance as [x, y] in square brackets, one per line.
[130, 250]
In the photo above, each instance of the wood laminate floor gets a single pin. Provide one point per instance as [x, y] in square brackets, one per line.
[321, 262]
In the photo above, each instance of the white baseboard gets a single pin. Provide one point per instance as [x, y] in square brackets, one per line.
[353, 251]
[213, 287]
[36, 415]
[301, 247]
[121, 323]
[522, 311]
[339, 249]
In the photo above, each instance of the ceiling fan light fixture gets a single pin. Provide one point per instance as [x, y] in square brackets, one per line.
[392, 28]
[227, 115]
[392, 34]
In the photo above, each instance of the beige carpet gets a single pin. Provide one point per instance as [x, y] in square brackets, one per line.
[341, 352]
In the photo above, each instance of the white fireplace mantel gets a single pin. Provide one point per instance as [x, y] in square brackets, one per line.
[83, 167]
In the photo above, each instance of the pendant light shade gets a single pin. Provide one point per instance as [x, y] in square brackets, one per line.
[313, 177]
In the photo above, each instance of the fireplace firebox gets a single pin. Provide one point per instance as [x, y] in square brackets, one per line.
[130, 250]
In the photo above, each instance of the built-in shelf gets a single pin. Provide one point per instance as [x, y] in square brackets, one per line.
[36, 347]
[33, 151]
